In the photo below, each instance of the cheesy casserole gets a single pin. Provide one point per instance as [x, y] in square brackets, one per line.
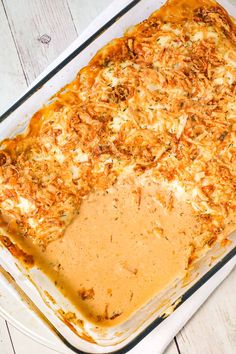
[155, 107]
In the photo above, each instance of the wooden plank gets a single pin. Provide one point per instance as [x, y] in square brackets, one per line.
[84, 11]
[42, 31]
[6, 346]
[11, 73]
[54, 19]
[25, 345]
[213, 328]
[172, 348]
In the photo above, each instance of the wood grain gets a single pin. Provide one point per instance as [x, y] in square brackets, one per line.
[84, 11]
[11, 73]
[212, 330]
[41, 32]
[6, 346]
[33, 33]
[25, 345]
[172, 348]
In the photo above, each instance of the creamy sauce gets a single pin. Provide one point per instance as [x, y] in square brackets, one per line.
[144, 104]
[122, 248]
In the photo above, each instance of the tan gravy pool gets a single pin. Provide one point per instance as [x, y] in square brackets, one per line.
[122, 248]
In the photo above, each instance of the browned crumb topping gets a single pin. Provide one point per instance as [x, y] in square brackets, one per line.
[159, 102]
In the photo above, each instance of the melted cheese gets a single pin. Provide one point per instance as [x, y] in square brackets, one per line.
[158, 104]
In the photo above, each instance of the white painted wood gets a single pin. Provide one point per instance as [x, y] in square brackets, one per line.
[5, 342]
[213, 328]
[42, 30]
[25, 345]
[11, 73]
[84, 11]
[172, 349]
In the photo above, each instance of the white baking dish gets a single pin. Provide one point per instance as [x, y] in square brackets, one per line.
[32, 281]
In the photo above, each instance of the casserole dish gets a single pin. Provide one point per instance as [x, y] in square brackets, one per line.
[93, 339]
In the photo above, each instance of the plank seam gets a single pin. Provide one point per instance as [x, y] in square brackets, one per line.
[177, 345]
[69, 9]
[17, 50]
[8, 330]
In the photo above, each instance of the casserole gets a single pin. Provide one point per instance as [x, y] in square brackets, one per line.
[9, 246]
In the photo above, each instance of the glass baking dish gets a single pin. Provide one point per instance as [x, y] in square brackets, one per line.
[76, 332]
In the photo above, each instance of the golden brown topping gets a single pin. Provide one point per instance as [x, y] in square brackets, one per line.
[3, 159]
[159, 102]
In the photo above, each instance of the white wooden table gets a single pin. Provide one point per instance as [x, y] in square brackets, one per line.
[32, 34]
